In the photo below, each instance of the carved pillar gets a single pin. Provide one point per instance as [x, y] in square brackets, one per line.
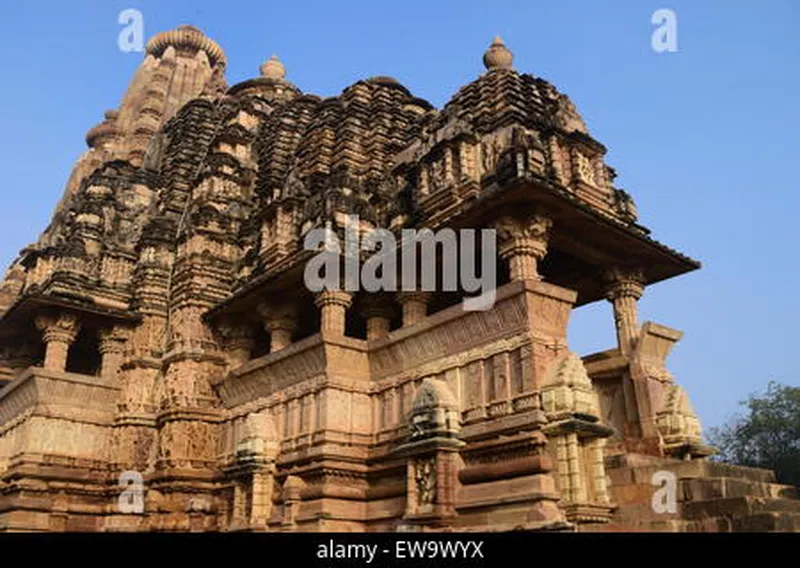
[415, 306]
[254, 467]
[239, 509]
[261, 498]
[562, 466]
[237, 341]
[576, 482]
[111, 344]
[597, 468]
[280, 322]
[624, 287]
[280, 333]
[292, 489]
[21, 357]
[378, 312]
[523, 243]
[58, 333]
[333, 306]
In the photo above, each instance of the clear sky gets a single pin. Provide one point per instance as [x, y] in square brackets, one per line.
[705, 138]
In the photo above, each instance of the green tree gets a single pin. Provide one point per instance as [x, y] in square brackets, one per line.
[767, 436]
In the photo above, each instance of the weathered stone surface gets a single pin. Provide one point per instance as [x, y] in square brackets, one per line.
[164, 367]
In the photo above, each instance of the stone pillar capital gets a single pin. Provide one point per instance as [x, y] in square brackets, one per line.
[61, 328]
[376, 305]
[419, 296]
[377, 310]
[276, 310]
[528, 235]
[415, 306]
[234, 331]
[623, 287]
[334, 298]
[238, 338]
[280, 320]
[59, 331]
[284, 323]
[523, 243]
[333, 305]
[621, 282]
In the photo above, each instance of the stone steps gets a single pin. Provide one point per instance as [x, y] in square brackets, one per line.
[700, 489]
[760, 522]
[739, 506]
[710, 496]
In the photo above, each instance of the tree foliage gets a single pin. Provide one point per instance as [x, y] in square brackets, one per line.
[767, 436]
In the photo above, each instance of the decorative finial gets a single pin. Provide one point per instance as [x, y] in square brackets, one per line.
[273, 69]
[188, 39]
[498, 56]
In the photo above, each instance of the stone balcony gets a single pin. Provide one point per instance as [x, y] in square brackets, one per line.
[354, 391]
[309, 383]
[56, 417]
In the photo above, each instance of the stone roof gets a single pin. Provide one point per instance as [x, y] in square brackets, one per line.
[152, 173]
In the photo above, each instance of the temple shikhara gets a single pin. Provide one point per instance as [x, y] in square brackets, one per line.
[163, 366]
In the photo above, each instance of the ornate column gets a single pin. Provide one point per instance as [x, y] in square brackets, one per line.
[624, 287]
[292, 495]
[237, 341]
[378, 312]
[20, 357]
[58, 332]
[111, 343]
[280, 322]
[597, 469]
[415, 306]
[280, 333]
[333, 306]
[253, 471]
[523, 243]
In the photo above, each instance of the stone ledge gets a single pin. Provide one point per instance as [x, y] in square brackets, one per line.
[39, 372]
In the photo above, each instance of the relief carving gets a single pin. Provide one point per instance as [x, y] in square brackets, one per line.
[425, 480]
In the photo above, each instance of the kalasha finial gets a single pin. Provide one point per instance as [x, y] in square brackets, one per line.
[186, 38]
[273, 69]
[498, 56]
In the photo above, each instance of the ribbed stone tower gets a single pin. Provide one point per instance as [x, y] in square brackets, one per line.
[166, 365]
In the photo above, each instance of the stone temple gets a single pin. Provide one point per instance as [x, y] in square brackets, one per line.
[164, 367]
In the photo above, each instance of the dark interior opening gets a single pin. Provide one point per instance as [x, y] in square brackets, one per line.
[260, 343]
[355, 325]
[84, 355]
[308, 318]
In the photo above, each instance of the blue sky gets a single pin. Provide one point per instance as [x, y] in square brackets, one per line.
[705, 138]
